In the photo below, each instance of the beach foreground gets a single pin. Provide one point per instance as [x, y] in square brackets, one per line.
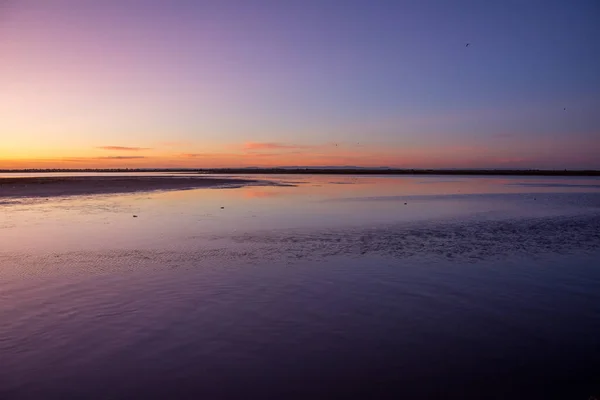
[337, 287]
[87, 185]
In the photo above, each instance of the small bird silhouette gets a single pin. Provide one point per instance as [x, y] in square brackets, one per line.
[468, 44]
[565, 109]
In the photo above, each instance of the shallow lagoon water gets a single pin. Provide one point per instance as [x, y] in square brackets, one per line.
[476, 287]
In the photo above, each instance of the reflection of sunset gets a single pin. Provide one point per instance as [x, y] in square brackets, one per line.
[325, 187]
[260, 193]
[299, 198]
[315, 199]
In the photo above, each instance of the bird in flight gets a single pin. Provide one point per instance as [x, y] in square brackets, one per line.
[468, 44]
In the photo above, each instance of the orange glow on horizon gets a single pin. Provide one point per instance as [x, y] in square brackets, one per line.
[274, 154]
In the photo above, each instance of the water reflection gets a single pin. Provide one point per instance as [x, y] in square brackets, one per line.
[263, 193]
[86, 222]
[401, 285]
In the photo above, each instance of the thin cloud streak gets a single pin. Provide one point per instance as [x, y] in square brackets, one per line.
[119, 158]
[108, 158]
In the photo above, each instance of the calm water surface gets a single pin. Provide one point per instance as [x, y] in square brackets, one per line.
[351, 287]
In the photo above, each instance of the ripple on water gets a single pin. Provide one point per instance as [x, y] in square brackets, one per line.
[458, 242]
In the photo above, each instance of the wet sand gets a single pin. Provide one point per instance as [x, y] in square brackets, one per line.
[88, 185]
[324, 291]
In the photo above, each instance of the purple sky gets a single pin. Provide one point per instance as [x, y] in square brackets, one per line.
[206, 83]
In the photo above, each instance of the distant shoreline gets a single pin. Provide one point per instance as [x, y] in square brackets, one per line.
[90, 185]
[327, 171]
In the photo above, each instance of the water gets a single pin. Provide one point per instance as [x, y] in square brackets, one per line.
[477, 287]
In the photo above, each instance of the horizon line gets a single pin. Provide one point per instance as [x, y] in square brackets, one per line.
[329, 170]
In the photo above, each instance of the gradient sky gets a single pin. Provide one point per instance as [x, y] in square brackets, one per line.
[182, 83]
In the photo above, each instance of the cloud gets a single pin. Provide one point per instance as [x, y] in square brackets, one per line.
[123, 148]
[282, 154]
[87, 159]
[119, 158]
[247, 153]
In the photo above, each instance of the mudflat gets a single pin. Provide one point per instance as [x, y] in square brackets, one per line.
[88, 185]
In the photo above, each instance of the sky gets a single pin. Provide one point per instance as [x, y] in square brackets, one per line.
[238, 83]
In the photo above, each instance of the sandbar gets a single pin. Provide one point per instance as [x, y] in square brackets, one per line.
[90, 185]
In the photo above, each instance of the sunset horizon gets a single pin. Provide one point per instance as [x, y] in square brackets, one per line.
[299, 199]
[227, 84]
[273, 155]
